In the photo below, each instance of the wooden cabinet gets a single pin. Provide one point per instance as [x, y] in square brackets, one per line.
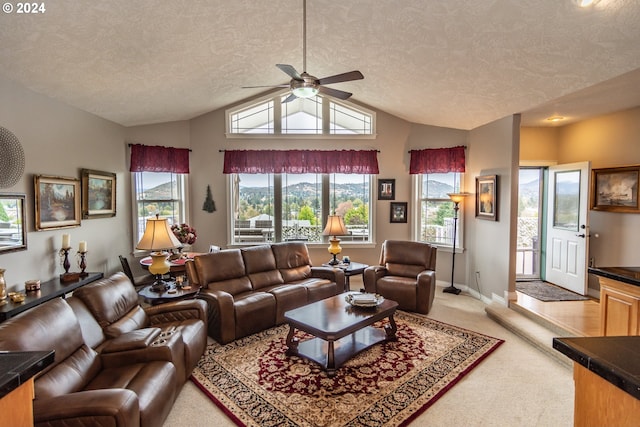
[619, 308]
[16, 407]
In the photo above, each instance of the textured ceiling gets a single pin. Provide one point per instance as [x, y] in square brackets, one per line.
[453, 63]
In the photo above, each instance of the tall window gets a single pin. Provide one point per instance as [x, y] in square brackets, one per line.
[161, 193]
[282, 207]
[435, 222]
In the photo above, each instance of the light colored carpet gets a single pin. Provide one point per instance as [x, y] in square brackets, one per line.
[517, 385]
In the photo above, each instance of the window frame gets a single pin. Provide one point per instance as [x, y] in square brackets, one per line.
[182, 200]
[326, 205]
[416, 191]
[276, 97]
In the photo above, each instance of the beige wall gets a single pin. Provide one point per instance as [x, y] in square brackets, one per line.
[59, 140]
[538, 146]
[493, 150]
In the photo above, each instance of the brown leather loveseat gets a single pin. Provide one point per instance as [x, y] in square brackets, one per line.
[249, 289]
[115, 363]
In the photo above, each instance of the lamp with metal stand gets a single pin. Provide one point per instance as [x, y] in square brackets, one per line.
[335, 227]
[158, 237]
[456, 198]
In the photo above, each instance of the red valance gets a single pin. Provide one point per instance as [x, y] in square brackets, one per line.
[147, 158]
[437, 160]
[301, 161]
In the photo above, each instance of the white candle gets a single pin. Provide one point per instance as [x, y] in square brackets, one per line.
[82, 246]
[66, 241]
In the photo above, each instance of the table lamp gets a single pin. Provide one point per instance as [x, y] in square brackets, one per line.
[158, 237]
[335, 227]
[456, 198]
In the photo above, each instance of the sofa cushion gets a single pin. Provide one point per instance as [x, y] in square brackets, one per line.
[223, 271]
[260, 266]
[292, 259]
[113, 301]
[254, 311]
[406, 259]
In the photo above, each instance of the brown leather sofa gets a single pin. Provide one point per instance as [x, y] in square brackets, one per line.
[248, 290]
[406, 274]
[122, 366]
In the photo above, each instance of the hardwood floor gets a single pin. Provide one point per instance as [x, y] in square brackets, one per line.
[579, 318]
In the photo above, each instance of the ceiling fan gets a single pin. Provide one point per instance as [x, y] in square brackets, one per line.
[304, 85]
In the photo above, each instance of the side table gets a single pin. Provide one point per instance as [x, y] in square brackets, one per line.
[172, 294]
[350, 269]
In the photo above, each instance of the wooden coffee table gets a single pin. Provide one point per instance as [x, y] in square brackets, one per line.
[340, 330]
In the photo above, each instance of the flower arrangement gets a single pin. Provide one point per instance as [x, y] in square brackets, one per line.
[184, 233]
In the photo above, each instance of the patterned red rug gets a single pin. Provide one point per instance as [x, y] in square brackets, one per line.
[256, 384]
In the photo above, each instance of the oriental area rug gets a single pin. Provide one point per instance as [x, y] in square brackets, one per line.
[256, 384]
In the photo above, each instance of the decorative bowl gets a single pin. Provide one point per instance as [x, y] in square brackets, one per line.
[360, 299]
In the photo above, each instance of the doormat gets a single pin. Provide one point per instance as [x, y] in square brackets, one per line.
[256, 384]
[545, 291]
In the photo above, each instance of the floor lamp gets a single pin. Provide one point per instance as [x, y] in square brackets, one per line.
[456, 198]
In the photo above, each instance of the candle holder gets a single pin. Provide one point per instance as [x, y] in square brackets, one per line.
[66, 276]
[82, 263]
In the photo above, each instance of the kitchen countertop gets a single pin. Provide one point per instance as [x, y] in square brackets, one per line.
[630, 275]
[615, 359]
[17, 367]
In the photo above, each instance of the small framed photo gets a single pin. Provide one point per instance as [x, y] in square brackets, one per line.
[615, 189]
[398, 212]
[487, 197]
[57, 202]
[98, 194]
[386, 189]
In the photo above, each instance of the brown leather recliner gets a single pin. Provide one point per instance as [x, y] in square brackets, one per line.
[406, 274]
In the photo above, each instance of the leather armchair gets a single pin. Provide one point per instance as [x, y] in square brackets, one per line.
[406, 274]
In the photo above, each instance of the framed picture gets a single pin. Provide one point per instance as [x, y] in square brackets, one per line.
[615, 189]
[13, 233]
[487, 197]
[398, 212]
[57, 202]
[98, 194]
[386, 189]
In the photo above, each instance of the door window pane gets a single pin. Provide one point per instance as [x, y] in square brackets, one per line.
[566, 209]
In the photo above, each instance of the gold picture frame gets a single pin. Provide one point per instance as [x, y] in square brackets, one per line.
[98, 194]
[615, 189]
[57, 202]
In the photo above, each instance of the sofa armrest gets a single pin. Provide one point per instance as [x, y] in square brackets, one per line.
[113, 407]
[221, 316]
[134, 340]
[371, 275]
[425, 292]
[334, 274]
[177, 310]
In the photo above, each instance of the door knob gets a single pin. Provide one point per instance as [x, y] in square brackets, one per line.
[581, 235]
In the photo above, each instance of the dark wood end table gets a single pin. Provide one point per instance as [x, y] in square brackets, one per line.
[173, 293]
[350, 269]
[341, 330]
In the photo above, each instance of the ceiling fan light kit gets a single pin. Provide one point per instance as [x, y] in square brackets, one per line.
[304, 85]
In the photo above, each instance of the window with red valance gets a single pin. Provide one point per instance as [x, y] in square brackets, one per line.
[154, 158]
[437, 160]
[301, 161]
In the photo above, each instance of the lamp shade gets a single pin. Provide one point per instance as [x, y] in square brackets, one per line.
[158, 236]
[335, 226]
[457, 197]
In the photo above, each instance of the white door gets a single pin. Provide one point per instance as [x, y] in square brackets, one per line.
[567, 226]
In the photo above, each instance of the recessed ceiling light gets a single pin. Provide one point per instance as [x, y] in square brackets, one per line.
[586, 3]
[555, 118]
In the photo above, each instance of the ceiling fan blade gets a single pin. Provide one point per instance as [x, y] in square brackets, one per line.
[252, 87]
[289, 98]
[290, 71]
[344, 77]
[340, 94]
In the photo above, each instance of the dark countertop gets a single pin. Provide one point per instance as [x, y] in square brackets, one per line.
[616, 359]
[630, 275]
[16, 367]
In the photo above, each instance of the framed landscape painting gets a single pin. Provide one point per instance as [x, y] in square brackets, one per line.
[487, 197]
[98, 194]
[57, 202]
[615, 189]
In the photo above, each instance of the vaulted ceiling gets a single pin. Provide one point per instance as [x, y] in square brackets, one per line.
[453, 63]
